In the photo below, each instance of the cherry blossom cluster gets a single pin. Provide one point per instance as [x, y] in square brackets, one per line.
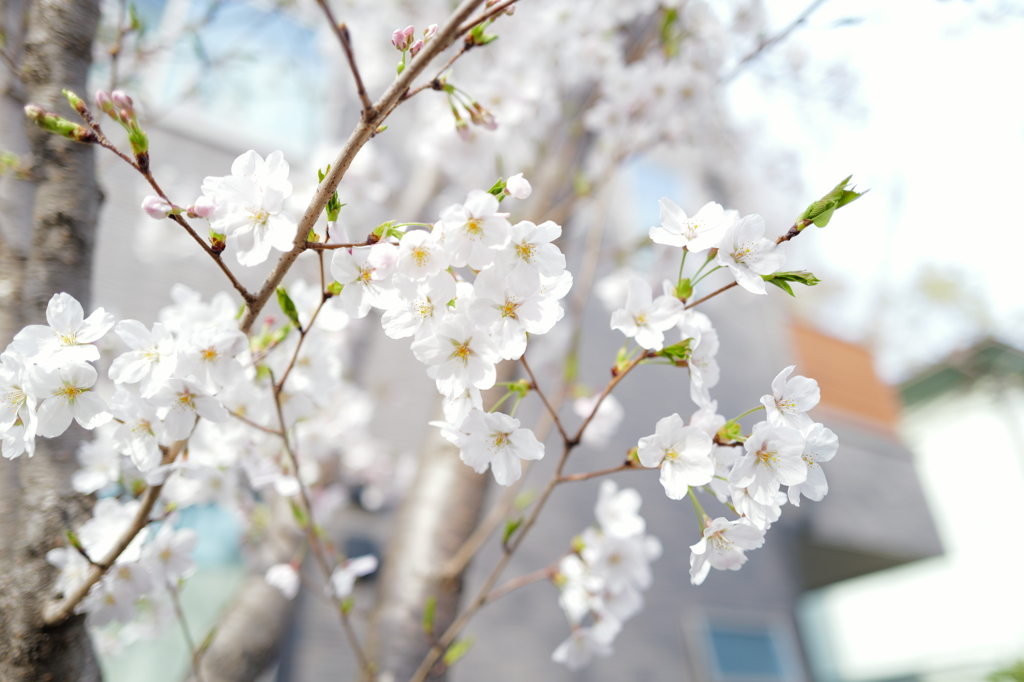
[709, 453]
[601, 583]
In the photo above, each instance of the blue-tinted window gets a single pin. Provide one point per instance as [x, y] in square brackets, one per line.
[746, 653]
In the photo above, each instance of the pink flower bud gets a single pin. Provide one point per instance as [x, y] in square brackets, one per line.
[430, 32]
[409, 32]
[121, 99]
[416, 47]
[155, 207]
[398, 39]
[204, 207]
[35, 112]
[104, 102]
[462, 128]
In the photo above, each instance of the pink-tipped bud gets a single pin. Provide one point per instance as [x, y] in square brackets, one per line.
[121, 99]
[155, 207]
[430, 32]
[518, 187]
[462, 128]
[409, 32]
[510, 10]
[398, 39]
[104, 102]
[35, 112]
[204, 207]
[416, 47]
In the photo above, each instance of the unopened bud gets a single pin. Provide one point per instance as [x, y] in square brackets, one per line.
[398, 39]
[430, 32]
[518, 187]
[156, 207]
[510, 10]
[35, 112]
[122, 100]
[462, 128]
[76, 102]
[104, 102]
[416, 47]
[217, 242]
[204, 207]
[59, 125]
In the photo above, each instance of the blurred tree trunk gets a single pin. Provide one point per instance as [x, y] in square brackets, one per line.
[47, 227]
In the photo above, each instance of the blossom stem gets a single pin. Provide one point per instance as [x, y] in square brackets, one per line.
[545, 573]
[515, 405]
[502, 399]
[260, 427]
[627, 466]
[317, 246]
[698, 509]
[714, 269]
[711, 295]
[750, 411]
[681, 264]
[185, 632]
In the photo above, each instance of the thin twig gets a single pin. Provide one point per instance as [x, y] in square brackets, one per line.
[193, 652]
[319, 246]
[545, 573]
[627, 466]
[765, 45]
[314, 539]
[492, 12]
[58, 612]
[711, 295]
[264, 429]
[643, 355]
[115, 51]
[551, 410]
[341, 30]
[362, 133]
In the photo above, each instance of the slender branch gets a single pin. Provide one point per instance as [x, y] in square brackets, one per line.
[711, 295]
[264, 429]
[490, 13]
[61, 610]
[551, 410]
[193, 652]
[362, 133]
[442, 644]
[115, 50]
[545, 573]
[765, 45]
[643, 355]
[627, 466]
[341, 30]
[319, 246]
[314, 539]
[298, 346]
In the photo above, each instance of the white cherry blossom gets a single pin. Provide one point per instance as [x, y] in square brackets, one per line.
[285, 578]
[140, 432]
[531, 250]
[644, 319]
[460, 356]
[17, 404]
[64, 394]
[605, 423]
[420, 255]
[152, 359]
[621, 561]
[773, 458]
[757, 514]
[790, 400]
[472, 231]
[495, 440]
[821, 446]
[508, 307]
[683, 453]
[748, 255]
[618, 511]
[210, 359]
[365, 275]
[584, 643]
[183, 401]
[343, 580]
[69, 336]
[418, 306]
[518, 187]
[699, 233]
[723, 547]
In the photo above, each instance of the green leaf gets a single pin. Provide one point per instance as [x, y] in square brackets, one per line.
[511, 526]
[428, 615]
[288, 306]
[677, 352]
[457, 650]
[135, 21]
[821, 211]
[346, 606]
[524, 499]
[299, 514]
[782, 279]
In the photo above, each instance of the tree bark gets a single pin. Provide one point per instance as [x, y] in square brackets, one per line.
[64, 199]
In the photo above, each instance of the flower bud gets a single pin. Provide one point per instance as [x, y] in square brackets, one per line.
[398, 39]
[462, 128]
[104, 102]
[122, 100]
[35, 112]
[430, 32]
[156, 208]
[416, 47]
[76, 102]
[204, 207]
[518, 187]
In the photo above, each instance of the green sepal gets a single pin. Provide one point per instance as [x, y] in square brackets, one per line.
[74, 541]
[59, 125]
[383, 230]
[457, 650]
[299, 514]
[334, 288]
[498, 189]
[288, 306]
[684, 289]
[524, 499]
[633, 456]
[428, 615]
[820, 212]
[782, 279]
[730, 432]
[334, 205]
[346, 606]
[677, 352]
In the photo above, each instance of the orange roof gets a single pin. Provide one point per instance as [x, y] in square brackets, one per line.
[846, 374]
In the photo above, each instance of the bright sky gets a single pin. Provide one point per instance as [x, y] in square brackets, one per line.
[937, 135]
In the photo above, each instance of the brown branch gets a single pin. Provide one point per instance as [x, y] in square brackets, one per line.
[58, 612]
[711, 295]
[264, 429]
[545, 573]
[551, 410]
[490, 13]
[362, 133]
[627, 466]
[341, 30]
[319, 246]
[643, 355]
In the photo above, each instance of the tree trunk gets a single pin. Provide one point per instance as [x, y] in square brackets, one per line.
[56, 53]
